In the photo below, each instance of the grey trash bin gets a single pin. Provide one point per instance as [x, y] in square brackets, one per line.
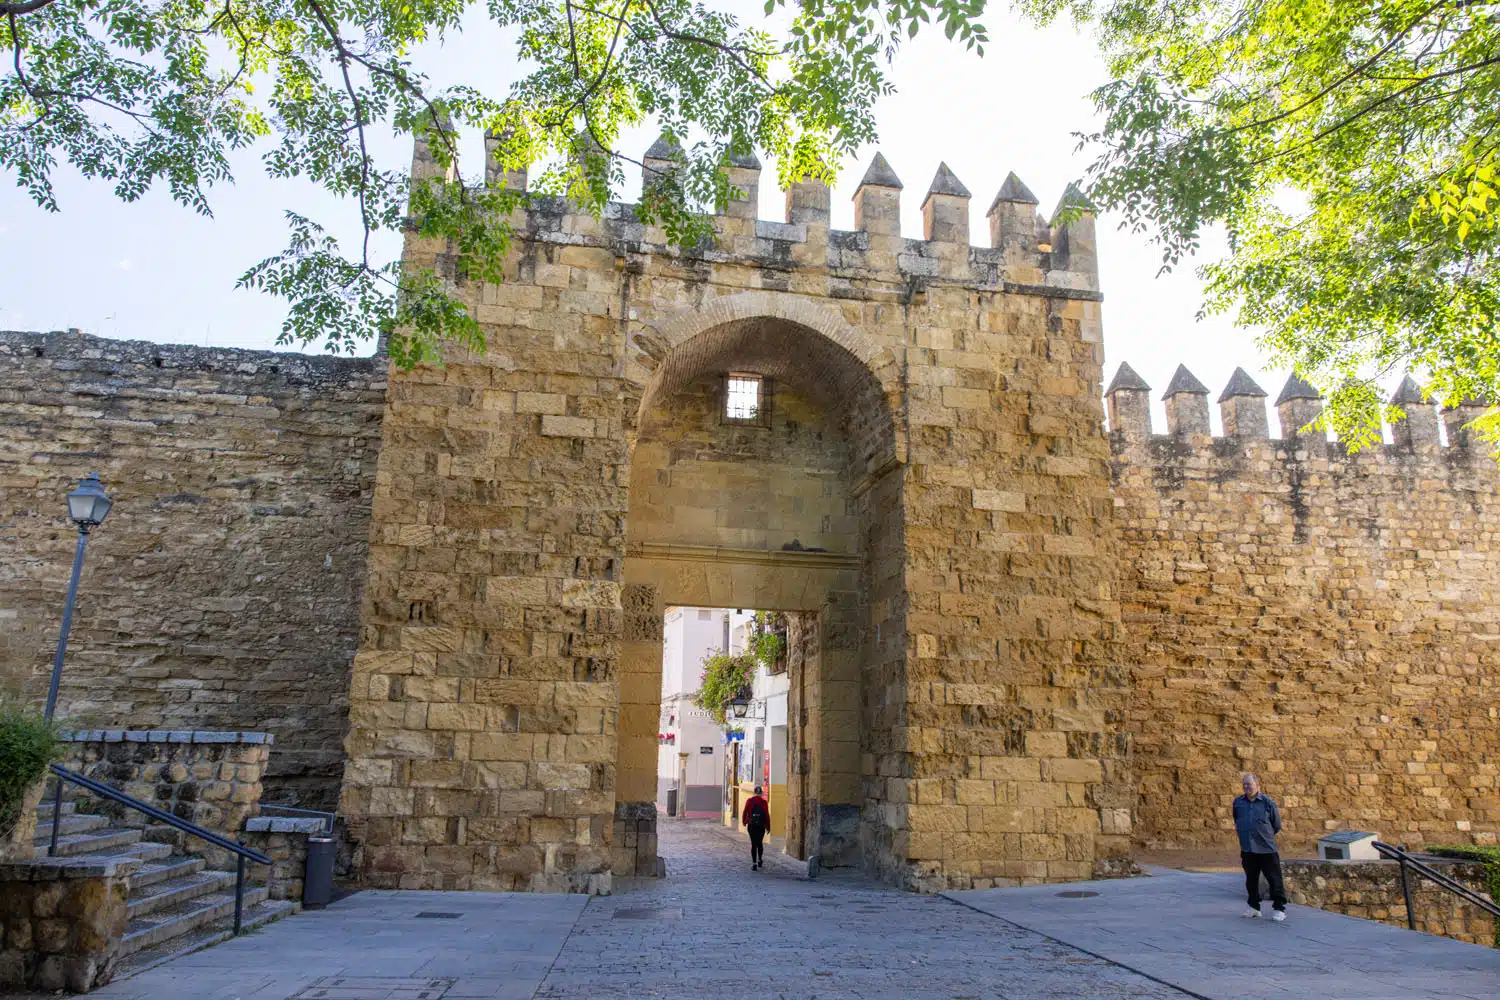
[317, 883]
[671, 802]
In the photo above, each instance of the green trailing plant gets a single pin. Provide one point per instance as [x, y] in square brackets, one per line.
[726, 676]
[1487, 856]
[28, 743]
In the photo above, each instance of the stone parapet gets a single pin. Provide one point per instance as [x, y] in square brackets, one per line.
[284, 841]
[213, 779]
[1372, 890]
[63, 920]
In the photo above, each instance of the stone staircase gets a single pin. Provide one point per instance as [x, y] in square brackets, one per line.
[177, 904]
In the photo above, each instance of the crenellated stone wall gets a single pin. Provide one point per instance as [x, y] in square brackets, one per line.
[1019, 643]
[1326, 620]
[223, 590]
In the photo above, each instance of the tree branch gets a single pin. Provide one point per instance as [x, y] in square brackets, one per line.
[23, 7]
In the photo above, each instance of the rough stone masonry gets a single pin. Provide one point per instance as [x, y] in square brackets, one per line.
[1024, 642]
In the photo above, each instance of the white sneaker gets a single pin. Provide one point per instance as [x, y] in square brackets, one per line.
[1250, 914]
[1278, 915]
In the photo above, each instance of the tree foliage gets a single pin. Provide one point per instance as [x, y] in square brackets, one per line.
[727, 676]
[138, 93]
[1349, 147]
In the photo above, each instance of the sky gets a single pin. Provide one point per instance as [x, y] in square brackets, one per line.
[155, 271]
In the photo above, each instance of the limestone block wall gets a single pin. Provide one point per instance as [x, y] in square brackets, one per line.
[223, 591]
[1372, 890]
[697, 480]
[1326, 620]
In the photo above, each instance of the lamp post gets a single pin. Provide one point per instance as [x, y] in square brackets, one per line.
[88, 506]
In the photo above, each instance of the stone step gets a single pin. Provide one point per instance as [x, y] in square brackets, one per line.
[108, 841]
[164, 925]
[77, 823]
[44, 811]
[151, 956]
[145, 850]
[170, 867]
[177, 891]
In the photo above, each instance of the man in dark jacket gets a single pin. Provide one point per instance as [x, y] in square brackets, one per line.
[757, 819]
[1257, 821]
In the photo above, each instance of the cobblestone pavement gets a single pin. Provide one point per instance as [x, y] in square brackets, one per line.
[714, 928]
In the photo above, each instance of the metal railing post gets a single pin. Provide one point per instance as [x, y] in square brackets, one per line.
[56, 819]
[1411, 913]
[239, 893]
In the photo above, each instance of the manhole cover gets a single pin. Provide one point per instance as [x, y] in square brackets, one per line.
[437, 915]
[374, 988]
[1077, 894]
[650, 913]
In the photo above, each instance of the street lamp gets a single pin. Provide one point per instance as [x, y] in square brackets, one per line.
[739, 705]
[88, 506]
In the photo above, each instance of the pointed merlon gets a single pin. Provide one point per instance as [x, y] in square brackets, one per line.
[880, 174]
[1296, 388]
[1408, 393]
[664, 148]
[1126, 378]
[1012, 190]
[946, 182]
[1184, 381]
[748, 161]
[1241, 384]
[1073, 197]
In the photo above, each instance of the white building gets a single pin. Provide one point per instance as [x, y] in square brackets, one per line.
[691, 751]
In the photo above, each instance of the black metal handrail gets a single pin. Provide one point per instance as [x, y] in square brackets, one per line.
[193, 829]
[1409, 863]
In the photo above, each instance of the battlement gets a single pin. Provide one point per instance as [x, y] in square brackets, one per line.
[1027, 252]
[1242, 409]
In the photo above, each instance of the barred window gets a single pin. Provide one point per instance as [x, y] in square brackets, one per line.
[742, 400]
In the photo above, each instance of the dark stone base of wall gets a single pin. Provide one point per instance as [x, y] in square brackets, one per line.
[837, 842]
[634, 852]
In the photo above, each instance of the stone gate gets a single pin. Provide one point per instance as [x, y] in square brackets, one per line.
[925, 472]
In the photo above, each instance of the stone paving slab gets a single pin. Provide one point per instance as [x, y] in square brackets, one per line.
[1186, 929]
[499, 948]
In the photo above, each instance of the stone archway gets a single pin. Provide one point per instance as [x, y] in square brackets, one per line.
[798, 513]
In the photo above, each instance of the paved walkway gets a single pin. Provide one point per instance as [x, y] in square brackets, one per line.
[692, 937]
[1185, 929]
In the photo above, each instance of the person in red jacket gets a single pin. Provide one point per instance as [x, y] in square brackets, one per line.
[757, 820]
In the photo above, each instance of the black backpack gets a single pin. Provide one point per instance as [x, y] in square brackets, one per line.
[758, 817]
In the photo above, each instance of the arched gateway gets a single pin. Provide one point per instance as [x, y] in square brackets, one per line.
[922, 475]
